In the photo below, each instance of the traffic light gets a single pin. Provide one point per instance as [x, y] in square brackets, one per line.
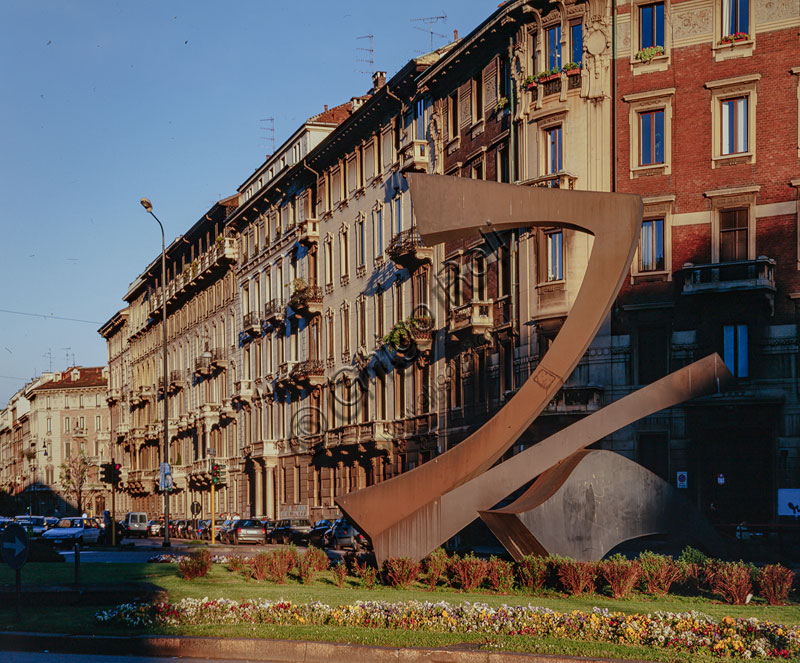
[215, 473]
[116, 473]
[106, 472]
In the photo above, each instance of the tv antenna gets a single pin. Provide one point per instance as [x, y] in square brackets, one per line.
[430, 21]
[370, 55]
[49, 356]
[268, 132]
[67, 350]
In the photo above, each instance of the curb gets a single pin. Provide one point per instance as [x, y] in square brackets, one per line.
[265, 651]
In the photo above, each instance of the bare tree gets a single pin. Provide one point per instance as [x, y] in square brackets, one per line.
[74, 477]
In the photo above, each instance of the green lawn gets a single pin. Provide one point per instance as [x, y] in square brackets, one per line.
[222, 583]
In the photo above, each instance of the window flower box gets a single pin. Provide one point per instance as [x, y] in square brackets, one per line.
[572, 68]
[647, 54]
[735, 37]
[530, 82]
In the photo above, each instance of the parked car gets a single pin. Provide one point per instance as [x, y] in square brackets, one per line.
[344, 534]
[225, 529]
[247, 531]
[135, 524]
[154, 528]
[269, 526]
[217, 527]
[69, 531]
[51, 521]
[316, 537]
[291, 530]
[35, 525]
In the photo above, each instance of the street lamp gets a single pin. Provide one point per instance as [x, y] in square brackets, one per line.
[148, 206]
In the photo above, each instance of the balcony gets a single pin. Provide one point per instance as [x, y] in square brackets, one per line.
[227, 409]
[309, 373]
[377, 433]
[274, 312]
[219, 361]
[220, 255]
[306, 300]
[202, 366]
[251, 323]
[113, 396]
[559, 180]
[414, 157]
[176, 381]
[475, 316]
[243, 391]
[407, 249]
[758, 274]
[122, 430]
[422, 424]
[576, 400]
[79, 431]
[308, 232]
[146, 393]
[284, 376]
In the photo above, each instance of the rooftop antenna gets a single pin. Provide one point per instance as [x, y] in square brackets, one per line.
[370, 55]
[49, 356]
[429, 21]
[67, 349]
[268, 132]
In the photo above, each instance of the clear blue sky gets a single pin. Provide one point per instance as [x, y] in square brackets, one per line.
[106, 101]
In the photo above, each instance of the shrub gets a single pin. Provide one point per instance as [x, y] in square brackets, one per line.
[775, 583]
[658, 572]
[339, 573]
[730, 581]
[365, 572]
[620, 573]
[690, 564]
[310, 563]
[468, 571]
[532, 572]
[500, 575]
[436, 567]
[400, 572]
[576, 577]
[237, 563]
[275, 565]
[195, 565]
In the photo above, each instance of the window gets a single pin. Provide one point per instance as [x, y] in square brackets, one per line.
[331, 340]
[379, 326]
[477, 98]
[97, 423]
[502, 76]
[452, 115]
[361, 252]
[651, 137]
[398, 215]
[479, 276]
[735, 17]
[503, 174]
[553, 163]
[553, 36]
[651, 246]
[344, 254]
[49, 425]
[576, 40]
[329, 262]
[652, 350]
[419, 119]
[733, 119]
[734, 350]
[733, 226]
[651, 25]
[345, 330]
[477, 170]
[66, 424]
[734, 125]
[555, 255]
[377, 229]
[362, 323]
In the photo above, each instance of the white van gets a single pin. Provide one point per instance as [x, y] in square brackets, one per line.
[135, 524]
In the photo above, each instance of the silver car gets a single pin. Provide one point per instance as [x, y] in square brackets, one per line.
[71, 531]
[35, 525]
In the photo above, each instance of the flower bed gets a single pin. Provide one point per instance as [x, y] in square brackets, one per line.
[688, 631]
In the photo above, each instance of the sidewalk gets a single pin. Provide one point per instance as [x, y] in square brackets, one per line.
[264, 651]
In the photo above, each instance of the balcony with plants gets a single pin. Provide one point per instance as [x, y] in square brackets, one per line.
[306, 298]
[407, 250]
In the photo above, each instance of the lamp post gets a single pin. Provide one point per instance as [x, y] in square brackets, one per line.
[149, 208]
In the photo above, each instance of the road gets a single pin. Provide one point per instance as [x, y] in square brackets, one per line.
[36, 657]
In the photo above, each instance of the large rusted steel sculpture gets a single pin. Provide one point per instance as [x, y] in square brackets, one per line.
[405, 516]
[592, 501]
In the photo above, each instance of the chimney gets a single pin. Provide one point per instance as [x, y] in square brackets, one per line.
[455, 35]
[326, 108]
[378, 80]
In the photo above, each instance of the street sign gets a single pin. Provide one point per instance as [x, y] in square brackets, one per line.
[721, 479]
[683, 479]
[196, 508]
[14, 546]
[165, 477]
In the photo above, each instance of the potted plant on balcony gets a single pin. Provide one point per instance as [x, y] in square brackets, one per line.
[530, 82]
[502, 103]
[571, 68]
[647, 54]
[548, 75]
[736, 36]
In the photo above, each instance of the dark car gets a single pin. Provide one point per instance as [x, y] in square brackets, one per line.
[224, 531]
[206, 532]
[246, 531]
[291, 530]
[269, 526]
[316, 537]
[344, 534]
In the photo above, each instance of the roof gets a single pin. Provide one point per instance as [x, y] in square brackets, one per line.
[91, 376]
[337, 114]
